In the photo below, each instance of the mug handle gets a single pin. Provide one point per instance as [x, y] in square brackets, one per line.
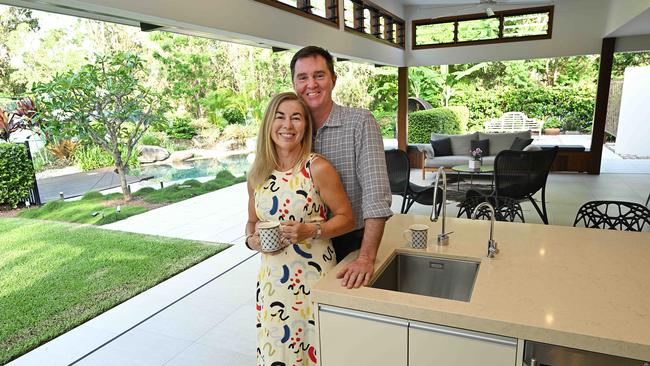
[407, 236]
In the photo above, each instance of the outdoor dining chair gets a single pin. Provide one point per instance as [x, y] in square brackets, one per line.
[519, 175]
[613, 215]
[399, 173]
[506, 209]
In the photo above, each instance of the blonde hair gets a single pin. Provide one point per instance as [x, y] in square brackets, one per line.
[266, 156]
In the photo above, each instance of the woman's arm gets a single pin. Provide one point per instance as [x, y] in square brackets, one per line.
[252, 236]
[331, 190]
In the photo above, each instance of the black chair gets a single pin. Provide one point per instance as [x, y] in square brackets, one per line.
[518, 175]
[399, 173]
[613, 215]
[647, 201]
[506, 209]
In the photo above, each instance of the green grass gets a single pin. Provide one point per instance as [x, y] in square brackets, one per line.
[81, 211]
[55, 276]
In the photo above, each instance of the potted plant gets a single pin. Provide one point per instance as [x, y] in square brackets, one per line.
[571, 125]
[477, 158]
[552, 126]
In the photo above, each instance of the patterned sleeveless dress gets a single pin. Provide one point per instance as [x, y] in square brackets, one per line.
[286, 332]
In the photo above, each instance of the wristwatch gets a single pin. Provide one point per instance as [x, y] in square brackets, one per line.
[318, 230]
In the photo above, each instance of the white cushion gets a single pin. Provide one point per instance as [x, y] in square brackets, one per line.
[502, 141]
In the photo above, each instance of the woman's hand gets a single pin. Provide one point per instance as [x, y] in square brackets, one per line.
[296, 232]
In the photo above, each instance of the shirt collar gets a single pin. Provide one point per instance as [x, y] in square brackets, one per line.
[333, 119]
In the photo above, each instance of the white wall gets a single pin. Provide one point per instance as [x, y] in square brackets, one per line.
[234, 19]
[578, 29]
[621, 12]
[634, 118]
[633, 43]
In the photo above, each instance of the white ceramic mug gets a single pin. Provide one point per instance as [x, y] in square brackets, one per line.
[269, 236]
[416, 236]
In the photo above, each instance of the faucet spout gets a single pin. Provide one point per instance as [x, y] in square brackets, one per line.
[443, 237]
[492, 245]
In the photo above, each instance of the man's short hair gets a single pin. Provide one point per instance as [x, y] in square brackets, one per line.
[313, 51]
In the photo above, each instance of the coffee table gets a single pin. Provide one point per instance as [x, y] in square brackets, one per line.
[465, 169]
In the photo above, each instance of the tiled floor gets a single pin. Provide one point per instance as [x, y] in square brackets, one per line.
[204, 316]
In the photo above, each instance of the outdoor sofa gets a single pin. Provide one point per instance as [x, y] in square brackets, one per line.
[462, 144]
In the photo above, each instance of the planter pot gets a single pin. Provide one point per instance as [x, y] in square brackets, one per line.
[474, 164]
[551, 131]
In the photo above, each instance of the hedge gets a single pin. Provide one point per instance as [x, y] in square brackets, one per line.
[16, 174]
[387, 123]
[463, 116]
[438, 120]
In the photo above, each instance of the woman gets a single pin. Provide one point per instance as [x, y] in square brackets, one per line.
[288, 183]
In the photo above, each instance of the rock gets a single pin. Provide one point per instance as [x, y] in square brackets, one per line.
[181, 155]
[151, 154]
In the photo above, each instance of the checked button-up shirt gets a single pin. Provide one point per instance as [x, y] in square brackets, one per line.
[351, 141]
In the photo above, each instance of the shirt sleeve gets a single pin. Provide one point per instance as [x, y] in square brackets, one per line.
[371, 169]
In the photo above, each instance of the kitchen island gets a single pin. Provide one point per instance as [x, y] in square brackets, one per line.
[587, 289]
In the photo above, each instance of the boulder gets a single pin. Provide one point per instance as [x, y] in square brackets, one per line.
[181, 155]
[151, 154]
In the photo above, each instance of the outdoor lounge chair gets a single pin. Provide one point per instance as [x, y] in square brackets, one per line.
[613, 215]
[518, 175]
[399, 172]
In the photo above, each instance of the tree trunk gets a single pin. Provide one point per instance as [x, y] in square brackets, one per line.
[121, 171]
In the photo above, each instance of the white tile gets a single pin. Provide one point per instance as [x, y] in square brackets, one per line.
[203, 355]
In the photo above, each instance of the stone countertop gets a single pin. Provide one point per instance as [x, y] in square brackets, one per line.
[576, 287]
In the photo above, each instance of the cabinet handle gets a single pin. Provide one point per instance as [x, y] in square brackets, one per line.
[465, 333]
[363, 315]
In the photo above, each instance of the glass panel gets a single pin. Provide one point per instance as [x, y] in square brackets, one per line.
[289, 2]
[434, 33]
[366, 20]
[318, 8]
[395, 32]
[381, 27]
[475, 30]
[525, 25]
[348, 13]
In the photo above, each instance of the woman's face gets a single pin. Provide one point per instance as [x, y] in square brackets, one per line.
[288, 126]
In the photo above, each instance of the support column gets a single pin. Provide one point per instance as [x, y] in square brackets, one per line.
[602, 97]
[402, 106]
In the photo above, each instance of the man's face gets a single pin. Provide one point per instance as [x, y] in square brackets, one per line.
[314, 82]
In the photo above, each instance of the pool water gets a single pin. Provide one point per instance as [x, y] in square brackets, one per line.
[238, 165]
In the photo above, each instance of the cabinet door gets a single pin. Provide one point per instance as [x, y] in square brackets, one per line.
[437, 345]
[356, 338]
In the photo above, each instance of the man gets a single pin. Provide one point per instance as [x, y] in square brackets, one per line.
[350, 139]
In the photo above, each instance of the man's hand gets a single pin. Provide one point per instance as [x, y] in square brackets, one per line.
[357, 273]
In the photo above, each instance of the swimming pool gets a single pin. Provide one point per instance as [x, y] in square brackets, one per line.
[238, 165]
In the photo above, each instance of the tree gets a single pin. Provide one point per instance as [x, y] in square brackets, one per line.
[13, 20]
[107, 102]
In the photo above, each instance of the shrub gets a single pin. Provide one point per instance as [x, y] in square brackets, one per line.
[92, 196]
[238, 134]
[94, 157]
[16, 173]
[438, 120]
[150, 139]
[181, 129]
[63, 149]
[143, 191]
[463, 115]
[234, 116]
[482, 105]
[387, 123]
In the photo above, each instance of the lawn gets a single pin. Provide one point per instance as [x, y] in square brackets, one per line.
[97, 209]
[55, 276]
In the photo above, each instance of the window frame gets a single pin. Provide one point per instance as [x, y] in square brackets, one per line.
[481, 16]
[377, 12]
[331, 9]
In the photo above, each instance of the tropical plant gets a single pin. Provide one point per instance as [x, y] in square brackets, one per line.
[553, 122]
[437, 120]
[181, 129]
[19, 119]
[107, 102]
[63, 150]
[94, 157]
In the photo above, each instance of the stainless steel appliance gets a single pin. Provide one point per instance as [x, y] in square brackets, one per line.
[542, 354]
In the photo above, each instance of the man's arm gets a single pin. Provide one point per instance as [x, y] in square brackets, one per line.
[376, 201]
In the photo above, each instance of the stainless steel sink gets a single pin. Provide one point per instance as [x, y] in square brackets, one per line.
[431, 276]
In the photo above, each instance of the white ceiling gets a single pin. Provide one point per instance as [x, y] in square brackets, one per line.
[462, 2]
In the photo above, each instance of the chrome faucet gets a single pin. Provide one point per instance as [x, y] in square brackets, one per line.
[443, 237]
[492, 245]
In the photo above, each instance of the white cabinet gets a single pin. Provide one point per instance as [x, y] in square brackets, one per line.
[356, 338]
[437, 345]
[351, 337]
